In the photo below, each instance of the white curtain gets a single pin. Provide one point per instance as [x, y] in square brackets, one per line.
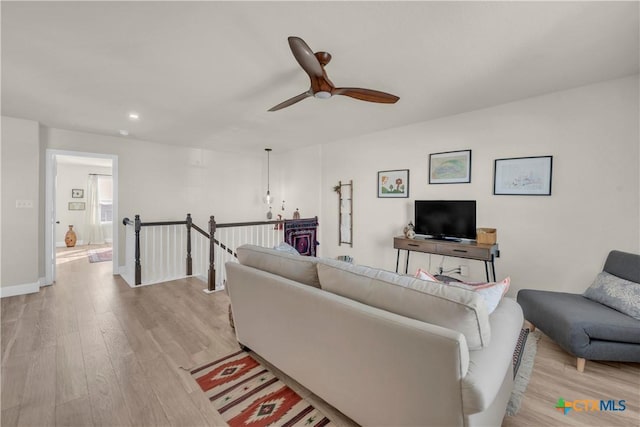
[94, 233]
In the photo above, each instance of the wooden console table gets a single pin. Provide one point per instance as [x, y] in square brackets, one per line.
[467, 250]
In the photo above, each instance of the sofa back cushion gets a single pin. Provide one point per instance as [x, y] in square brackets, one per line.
[454, 308]
[293, 267]
[624, 265]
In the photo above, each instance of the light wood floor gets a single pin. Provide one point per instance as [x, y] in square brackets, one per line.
[92, 351]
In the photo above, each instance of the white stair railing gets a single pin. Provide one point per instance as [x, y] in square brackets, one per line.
[164, 251]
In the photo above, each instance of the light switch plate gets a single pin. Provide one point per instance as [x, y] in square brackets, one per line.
[23, 204]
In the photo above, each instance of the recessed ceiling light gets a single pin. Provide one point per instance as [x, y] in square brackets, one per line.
[134, 116]
[124, 132]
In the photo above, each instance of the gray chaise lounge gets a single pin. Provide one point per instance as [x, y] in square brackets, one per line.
[585, 328]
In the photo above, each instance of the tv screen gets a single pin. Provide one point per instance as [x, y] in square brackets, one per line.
[446, 219]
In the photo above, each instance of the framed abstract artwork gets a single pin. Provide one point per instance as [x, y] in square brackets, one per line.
[523, 176]
[393, 184]
[451, 167]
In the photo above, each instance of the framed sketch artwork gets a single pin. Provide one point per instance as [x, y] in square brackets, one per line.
[524, 176]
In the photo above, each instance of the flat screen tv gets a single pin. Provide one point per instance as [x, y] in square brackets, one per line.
[446, 219]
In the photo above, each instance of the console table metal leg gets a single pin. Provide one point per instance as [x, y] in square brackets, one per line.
[406, 266]
[397, 260]
[486, 270]
[493, 270]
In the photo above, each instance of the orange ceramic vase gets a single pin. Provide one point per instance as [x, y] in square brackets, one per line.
[70, 237]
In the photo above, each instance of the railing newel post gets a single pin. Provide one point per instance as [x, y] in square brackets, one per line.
[138, 266]
[189, 260]
[211, 285]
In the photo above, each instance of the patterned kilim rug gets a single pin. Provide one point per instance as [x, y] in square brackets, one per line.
[246, 393]
[100, 255]
[523, 358]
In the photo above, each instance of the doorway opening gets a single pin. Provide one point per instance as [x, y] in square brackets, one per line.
[81, 210]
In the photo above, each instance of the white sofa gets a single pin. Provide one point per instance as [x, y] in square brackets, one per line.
[335, 328]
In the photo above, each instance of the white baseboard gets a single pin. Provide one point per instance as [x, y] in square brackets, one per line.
[26, 288]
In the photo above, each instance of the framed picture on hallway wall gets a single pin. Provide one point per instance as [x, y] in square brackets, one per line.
[393, 184]
[76, 206]
[451, 167]
[523, 176]
[77, 193]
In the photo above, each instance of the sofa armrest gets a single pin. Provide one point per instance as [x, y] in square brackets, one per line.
[487, 367]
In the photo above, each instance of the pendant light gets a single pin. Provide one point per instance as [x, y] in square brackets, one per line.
[268, 198]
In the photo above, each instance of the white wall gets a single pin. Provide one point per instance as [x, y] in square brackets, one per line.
[21, 238]
[297, 177]
[557, 242]
[72, 176]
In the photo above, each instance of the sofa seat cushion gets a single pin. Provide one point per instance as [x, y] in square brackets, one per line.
[442, 305]
[573, 320]
[293, 267]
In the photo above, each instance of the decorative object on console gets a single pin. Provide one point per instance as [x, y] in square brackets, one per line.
[302, 236]
[409, 231]
[269, 213]
[393, 183]
[296, 214]
[77, 193]
[245, 392]
[523, 176]
[321, 87]
[70, 237]
[486, 236]
[451, 167]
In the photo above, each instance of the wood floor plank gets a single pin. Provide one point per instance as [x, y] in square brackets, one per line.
[144, 406]
[74, 413]
[14, 375]
[9, 416]
[37, 415]
[40, 381]
[71, 380]
[177, 404]
[108, 406]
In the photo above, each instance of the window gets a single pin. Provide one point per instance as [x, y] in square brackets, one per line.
[106, 211]
[105, 196]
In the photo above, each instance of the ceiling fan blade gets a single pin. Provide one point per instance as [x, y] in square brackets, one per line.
[292, 101]
[305, 57]
[366, 95]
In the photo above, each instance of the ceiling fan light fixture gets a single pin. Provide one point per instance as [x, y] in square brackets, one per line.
[322, 94]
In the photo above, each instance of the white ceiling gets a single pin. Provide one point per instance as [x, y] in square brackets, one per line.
[203, 74]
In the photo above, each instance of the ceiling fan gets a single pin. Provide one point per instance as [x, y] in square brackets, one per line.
[321, 87]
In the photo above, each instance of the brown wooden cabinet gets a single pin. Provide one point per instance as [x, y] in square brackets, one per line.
[467, 250]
